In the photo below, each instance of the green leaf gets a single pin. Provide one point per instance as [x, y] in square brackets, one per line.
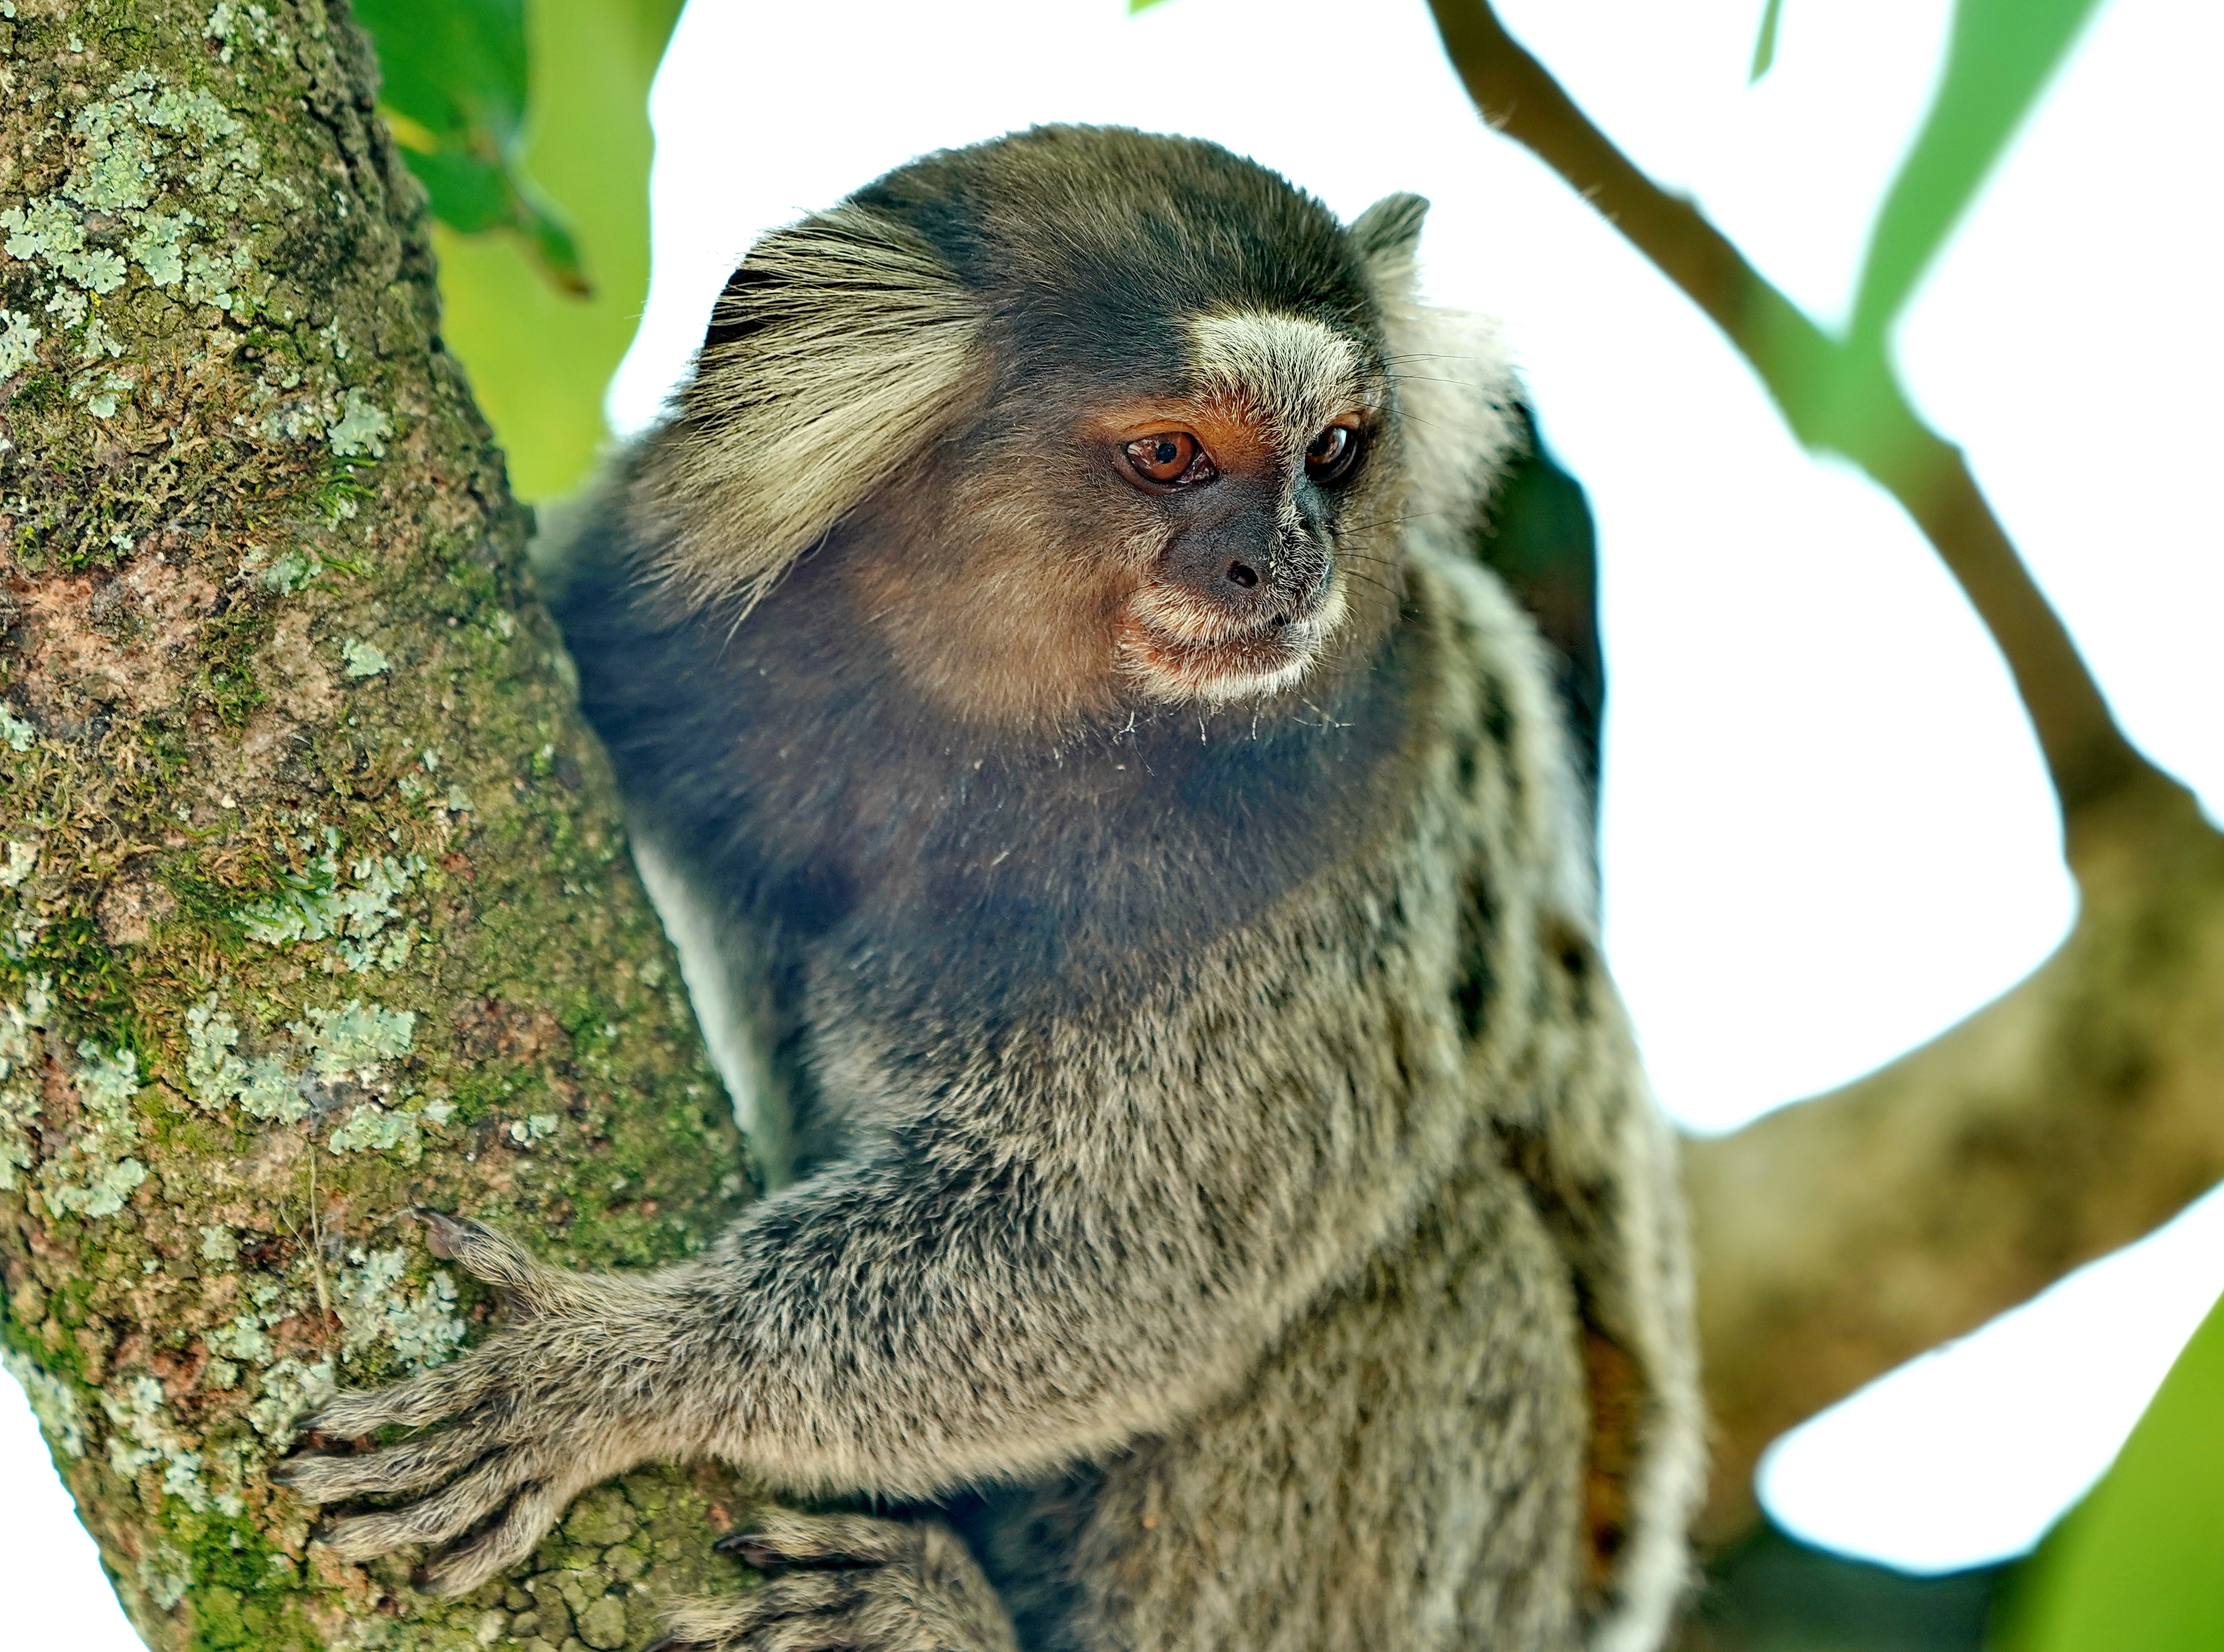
[1764, 49]
[455, 67]
[538, 358]
[455, 79]
[2138, 1565]
[526, 121]
[2001, 54]
[468, 192]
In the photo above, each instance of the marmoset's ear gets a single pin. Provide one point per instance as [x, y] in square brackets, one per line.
[1389, 236]
[840, 348]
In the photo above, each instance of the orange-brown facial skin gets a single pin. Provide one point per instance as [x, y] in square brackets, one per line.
[1031, 578]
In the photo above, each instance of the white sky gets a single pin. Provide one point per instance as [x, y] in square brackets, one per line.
[1827, 833]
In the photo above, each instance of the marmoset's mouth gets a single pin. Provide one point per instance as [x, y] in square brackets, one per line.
[1173, 650]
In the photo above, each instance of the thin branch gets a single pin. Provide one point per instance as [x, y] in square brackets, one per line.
[1831, 398]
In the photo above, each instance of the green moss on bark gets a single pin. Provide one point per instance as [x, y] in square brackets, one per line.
[314, 904]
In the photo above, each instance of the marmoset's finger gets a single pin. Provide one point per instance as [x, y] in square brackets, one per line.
[434, 1396]
[748, 1621]
[479, 1251]
[436, 1518]
[783, 1538]
[414, 1465]
[821, 1632]
[528, 1286]
[694, 1620]
[510, 1540]
[690, 1620]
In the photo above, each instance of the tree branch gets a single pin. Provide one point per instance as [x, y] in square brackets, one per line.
[1843, 1235]
[1839, 1237]
[1832, 398]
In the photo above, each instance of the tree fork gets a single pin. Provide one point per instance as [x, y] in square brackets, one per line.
[314, 903]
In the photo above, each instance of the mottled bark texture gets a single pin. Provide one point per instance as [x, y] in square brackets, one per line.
[313, 899]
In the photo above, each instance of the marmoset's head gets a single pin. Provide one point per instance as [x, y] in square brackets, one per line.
[1080, 417]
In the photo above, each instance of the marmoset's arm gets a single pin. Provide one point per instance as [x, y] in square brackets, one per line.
[1022, 1276]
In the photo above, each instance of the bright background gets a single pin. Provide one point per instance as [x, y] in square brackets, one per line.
[1828, 835]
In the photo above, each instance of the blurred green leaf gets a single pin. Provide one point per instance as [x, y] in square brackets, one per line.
[2001, 54]
[2138, 1565]
[453, 66]
[454, 87]
[1764, 49]
[528, 122]
[467, 194]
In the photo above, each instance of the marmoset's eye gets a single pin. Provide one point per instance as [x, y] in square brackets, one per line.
[1332, 454]
[1171, 458]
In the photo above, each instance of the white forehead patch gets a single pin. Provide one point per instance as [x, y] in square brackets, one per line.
[1293, 373]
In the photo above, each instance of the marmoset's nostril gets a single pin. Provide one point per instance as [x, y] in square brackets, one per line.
[1243, 574]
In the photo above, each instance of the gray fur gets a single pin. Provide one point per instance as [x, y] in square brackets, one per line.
[1324, 1293]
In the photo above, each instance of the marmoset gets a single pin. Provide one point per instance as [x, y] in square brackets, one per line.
[1048, 645]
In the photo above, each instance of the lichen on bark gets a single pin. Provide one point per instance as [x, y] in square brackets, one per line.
[314, 904]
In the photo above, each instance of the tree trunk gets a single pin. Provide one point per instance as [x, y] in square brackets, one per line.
[314, 898]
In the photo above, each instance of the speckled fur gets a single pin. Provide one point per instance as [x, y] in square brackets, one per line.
[1229, 1213]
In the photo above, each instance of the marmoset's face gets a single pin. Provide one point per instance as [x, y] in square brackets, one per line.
[1247, 586]
[1211, 543]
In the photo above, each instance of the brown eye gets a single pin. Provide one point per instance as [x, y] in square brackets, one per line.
[1169, 457]
[1331, 456]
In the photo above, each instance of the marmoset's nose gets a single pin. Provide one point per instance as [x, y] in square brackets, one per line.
[1249, 564]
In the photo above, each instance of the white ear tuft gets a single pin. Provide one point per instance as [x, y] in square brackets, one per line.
[842, 347]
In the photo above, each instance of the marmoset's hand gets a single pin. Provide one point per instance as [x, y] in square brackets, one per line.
[559, 1401]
